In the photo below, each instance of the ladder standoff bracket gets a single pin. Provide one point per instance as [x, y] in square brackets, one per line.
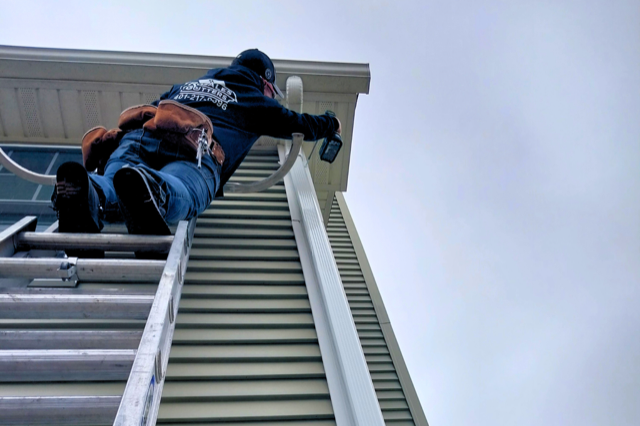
[24, 173]
[68, 269]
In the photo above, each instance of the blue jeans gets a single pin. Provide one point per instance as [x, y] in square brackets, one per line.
[186, 190]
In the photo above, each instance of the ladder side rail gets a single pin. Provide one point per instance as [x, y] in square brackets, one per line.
[141, 399]
[9, 237]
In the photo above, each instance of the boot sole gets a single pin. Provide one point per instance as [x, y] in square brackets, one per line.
[141, 213]
[74, 214]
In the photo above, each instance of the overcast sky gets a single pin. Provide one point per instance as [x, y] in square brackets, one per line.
[494, 179]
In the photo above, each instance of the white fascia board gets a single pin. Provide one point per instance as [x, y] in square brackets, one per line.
[161, 68]
[351, 389]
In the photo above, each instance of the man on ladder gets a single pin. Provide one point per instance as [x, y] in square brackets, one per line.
[167, 161]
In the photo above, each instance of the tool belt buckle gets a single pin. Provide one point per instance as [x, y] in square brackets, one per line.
[202, 146]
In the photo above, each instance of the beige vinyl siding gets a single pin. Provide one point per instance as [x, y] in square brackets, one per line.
[398, 401]
[245, 348]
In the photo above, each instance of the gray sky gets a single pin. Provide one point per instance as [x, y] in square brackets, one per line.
[494, 179]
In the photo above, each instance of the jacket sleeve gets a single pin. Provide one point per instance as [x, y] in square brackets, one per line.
[272, 119]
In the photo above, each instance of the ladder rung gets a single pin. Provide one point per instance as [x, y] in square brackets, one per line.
[108, 242]
[64, 339]
[107, 270]
[59, 410]
[65, 365]
[121, 228]
[27, 305]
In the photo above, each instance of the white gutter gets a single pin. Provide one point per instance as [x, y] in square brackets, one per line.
[352, 393]
[129, 67]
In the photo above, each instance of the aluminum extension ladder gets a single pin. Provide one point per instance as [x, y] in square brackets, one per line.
[28, 356]
[36, 354]
[89, 355]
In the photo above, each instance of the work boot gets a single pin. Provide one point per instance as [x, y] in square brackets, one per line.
[77, 204]
[140, 198]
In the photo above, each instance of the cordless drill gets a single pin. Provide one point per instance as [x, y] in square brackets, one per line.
[330, 145]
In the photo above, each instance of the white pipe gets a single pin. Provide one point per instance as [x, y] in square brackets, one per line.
[276, 177]
[23, 173]
[294, 101]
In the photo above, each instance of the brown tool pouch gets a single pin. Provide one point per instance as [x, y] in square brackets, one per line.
[181, 124]
[171, 121]
[134, 117]
[97, 146]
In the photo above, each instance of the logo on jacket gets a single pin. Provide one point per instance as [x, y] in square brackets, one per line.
[207, 90]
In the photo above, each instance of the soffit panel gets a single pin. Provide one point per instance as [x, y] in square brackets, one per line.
[53, 96]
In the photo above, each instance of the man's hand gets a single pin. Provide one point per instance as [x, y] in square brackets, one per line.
[339, 131]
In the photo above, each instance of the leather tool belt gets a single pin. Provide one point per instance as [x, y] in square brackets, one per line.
[170, 121]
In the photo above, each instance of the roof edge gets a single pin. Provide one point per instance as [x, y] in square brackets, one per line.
[166, 60]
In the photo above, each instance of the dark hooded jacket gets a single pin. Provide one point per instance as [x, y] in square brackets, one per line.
[234, 101]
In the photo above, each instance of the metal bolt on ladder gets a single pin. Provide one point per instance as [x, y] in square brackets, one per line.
[53, 340]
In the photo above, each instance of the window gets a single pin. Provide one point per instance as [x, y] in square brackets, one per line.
[18, 197]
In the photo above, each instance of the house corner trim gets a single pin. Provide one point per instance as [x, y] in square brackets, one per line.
[385, 325]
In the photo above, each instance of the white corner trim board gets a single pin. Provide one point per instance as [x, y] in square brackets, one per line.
[352, 393]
